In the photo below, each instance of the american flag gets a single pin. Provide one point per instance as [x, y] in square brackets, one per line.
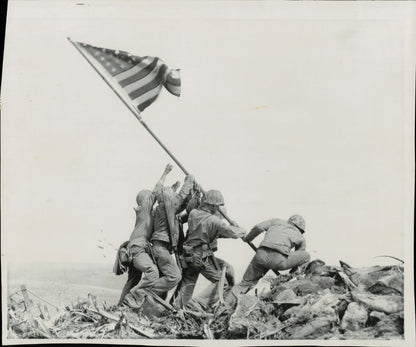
[140, 78]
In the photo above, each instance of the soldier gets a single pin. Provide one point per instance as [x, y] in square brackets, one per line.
[205, 226]
[274, 251]
[143, 272]
[166, 233]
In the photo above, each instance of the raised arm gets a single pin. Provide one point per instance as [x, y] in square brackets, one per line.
[161, 182]
[187, 186]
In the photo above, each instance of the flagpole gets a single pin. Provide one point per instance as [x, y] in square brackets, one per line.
[128, 105]
[187, 173]
[164, 147]
[136, 113]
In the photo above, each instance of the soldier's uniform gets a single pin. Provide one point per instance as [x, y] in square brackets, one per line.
[166, 234]
[143, 272]
[204, 228]
[274, 251]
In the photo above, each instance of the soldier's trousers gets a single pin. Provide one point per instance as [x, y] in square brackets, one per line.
[267, 259]
[190, 276]
[145, 265]
[133, 279]
[170, 273]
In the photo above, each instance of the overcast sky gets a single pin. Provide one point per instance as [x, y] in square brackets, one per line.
[286, 107]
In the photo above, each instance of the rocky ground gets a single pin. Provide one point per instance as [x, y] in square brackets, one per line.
[324, 303]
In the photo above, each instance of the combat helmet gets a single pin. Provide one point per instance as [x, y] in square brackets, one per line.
[142, 196]
[298, 221]
[213, 197]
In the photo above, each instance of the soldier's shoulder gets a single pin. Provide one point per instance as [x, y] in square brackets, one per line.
[277, 222]
[216, 220]
[196, 213]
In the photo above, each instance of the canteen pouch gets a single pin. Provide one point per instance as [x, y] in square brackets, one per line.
[192, 256]
[125, 256]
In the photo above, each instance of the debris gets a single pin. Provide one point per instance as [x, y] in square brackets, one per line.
[250, 313]
[389, 256]
[390, 284]
[390, 326]
[314, 266]
[239, 320]
[220, 291]
[323, 282]
[355, 317]
[300, 287]
[315, 327]
[326, 303]
[287, 296]
[383, 303]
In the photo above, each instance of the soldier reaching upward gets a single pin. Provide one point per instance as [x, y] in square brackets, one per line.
[166, 231]
[143, 272]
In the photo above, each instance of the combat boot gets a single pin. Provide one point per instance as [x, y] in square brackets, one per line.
[135, 299]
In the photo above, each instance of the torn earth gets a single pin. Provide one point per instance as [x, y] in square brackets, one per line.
[324, 303]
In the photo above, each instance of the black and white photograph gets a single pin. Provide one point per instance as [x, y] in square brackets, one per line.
[179, 172]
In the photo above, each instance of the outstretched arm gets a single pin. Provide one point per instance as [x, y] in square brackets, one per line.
[259, 228]
[229, 231]
[162, 179]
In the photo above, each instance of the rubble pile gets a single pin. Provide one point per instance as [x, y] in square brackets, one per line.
[86, 320]
[327, 302]
[324, 303]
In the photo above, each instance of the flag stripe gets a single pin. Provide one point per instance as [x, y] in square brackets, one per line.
[136, 80]
[105, 75]
[174, 81]
[143, 105]
[174, 78]
[175, 90]
[138, 71]
[137, 66]
[157, 81]
[143, 81]
[147, 96]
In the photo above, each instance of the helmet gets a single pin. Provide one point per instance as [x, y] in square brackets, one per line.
[142, 196]
[298, 221]
[213, 197]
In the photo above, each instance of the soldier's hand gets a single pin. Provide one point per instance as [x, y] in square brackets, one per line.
[168, 168]
[197, 186]
[176, 186]
[240, 232]
[190, 178]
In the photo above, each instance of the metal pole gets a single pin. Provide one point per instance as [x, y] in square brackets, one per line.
[133, 110]
[163, 146]
[136, 113]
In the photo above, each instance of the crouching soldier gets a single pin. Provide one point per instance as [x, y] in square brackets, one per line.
[143, 272]
[204, 228]
[274, 251]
